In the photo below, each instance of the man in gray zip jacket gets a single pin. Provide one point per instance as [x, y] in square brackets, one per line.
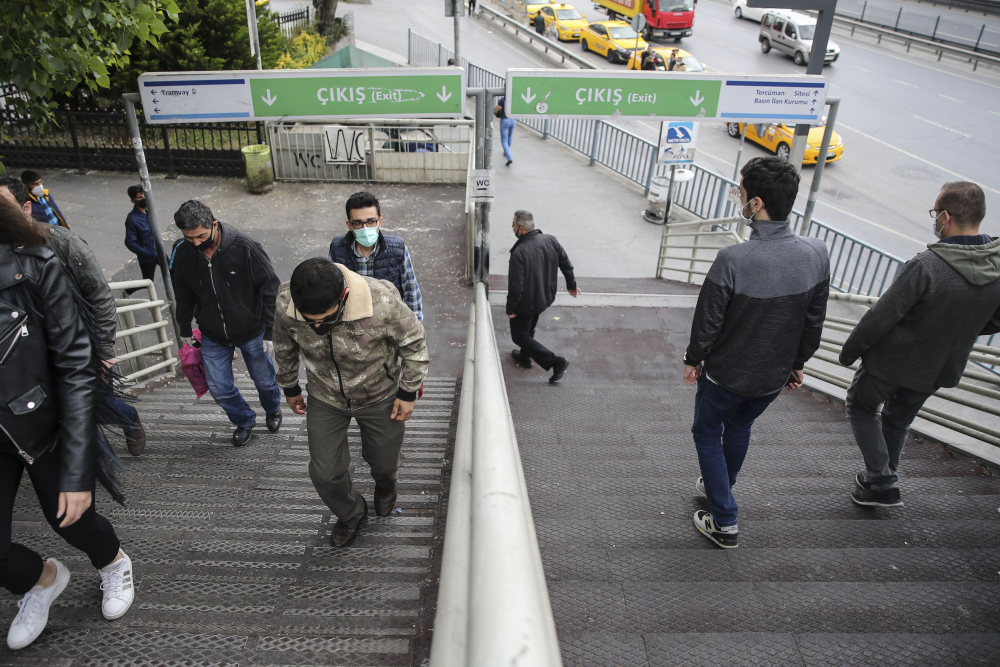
[918, 336]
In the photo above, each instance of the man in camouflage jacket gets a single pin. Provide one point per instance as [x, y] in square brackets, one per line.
[366, 358]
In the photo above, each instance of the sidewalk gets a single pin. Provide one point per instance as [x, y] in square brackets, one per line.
[816, 580]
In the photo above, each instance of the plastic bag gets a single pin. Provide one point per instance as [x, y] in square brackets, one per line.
[191, 365]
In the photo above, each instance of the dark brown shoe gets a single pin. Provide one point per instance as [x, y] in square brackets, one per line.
[385, 499]
[343, 535]
[135, 438]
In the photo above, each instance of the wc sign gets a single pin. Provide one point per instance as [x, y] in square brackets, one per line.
[482, 185]
[677, 142]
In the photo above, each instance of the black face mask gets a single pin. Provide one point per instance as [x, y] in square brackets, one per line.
[205, 245]
[327, 324]
[141, 203]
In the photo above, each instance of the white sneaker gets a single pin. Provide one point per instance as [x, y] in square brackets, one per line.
[33, 614]
[119, 592]
[699, 486]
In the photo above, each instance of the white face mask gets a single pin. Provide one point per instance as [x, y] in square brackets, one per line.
[745, 219]
[934, 227]
[38, 191]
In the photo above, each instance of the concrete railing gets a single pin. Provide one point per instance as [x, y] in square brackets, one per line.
[493, 605]
[132, 363]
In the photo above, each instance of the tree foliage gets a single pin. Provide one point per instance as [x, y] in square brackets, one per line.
[210, 35]
[49, 47]
[305, 49]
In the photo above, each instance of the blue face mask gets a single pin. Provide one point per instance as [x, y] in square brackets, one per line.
[366, 236]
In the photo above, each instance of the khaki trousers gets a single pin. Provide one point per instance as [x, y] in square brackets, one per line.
[330, 457]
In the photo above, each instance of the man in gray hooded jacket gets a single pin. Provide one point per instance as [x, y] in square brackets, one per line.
[918, 336]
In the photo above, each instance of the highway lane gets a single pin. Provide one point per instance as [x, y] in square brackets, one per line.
[966, 28]
[909, 125]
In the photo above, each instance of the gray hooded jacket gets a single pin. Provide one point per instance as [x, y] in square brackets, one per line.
[920, 332]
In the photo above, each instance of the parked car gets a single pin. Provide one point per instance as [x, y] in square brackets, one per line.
[688, 63]
[792, 34]
[615, 40]
[742, 11]
[568, 21]
[777, 137]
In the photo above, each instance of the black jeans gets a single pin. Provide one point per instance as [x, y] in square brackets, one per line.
[522, 332]
[881, 444]
[20, 567]
[472, 6]
[148, 272]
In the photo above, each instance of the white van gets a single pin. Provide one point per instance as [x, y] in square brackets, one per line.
[792, 34]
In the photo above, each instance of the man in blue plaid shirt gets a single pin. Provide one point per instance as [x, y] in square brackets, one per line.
[364, 249]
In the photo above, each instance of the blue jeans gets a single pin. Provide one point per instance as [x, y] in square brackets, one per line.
[506, 134]
[217, 360]
[113, 410]
[721, 430]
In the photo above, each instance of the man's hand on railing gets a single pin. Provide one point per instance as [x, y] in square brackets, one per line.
[691, 374]
[794, 380]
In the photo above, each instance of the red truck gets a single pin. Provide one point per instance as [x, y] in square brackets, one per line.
[664, 18]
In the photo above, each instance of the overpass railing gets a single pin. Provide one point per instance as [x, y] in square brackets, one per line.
[493, 606]
[142, 350]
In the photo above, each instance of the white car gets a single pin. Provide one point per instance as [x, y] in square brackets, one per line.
[741, 11]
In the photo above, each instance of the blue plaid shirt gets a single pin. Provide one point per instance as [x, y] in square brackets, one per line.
[411, 290]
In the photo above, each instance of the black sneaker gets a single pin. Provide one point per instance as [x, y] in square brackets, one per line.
[242, 435]
[706, 525]
[558, 369]
[862, 482]
[521, 359]
[871, 498]
[273, 421]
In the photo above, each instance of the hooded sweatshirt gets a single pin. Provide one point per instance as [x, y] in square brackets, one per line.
[919, 334]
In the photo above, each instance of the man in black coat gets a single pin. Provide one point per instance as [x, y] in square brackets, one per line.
[531, 288]
[918, 336]
[225, 279]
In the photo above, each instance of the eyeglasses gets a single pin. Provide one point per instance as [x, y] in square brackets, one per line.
[935, 212]
[358, 224]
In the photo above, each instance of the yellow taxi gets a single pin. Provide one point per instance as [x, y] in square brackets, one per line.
[615, 40]
[530, 8]
[684, 61]
[568, 20]
[777, 137]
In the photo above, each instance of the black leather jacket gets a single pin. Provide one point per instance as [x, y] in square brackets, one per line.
[48, 385]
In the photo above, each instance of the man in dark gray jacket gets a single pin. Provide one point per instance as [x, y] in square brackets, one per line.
[918, 336]
[532, 280]
[758, 320]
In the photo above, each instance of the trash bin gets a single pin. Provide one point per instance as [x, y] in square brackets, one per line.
[656, 202]
[260, 170]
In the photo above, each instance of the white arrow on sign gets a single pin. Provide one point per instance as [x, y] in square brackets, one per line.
[527, 98]
[444, 95]
[697, 99]
[269, 100]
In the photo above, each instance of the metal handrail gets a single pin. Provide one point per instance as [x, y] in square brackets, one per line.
[533, 36]
[136, 351]
[974, 57]
[493, 602]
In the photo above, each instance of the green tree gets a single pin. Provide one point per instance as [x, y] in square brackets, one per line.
[210, 35]
[49, 47]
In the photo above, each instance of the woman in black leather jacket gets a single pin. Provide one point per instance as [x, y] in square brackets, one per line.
[46, 424]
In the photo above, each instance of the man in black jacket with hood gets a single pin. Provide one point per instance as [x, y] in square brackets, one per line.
[532, 281]
[225, 279]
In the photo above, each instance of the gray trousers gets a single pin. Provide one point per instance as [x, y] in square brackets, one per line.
[881, 444]
[330, 457]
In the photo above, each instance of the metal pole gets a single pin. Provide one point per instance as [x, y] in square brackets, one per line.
[862, 19]
[898, 16]
[936, 24]
[254, 36]
[458, 58]
[130, 100]
[820, 163]
[739, 155]
[593, 143]
[487, 164]
[817, 57]
[670, 195]
[979, 39]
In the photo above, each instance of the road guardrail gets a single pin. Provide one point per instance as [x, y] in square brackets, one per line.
[547, 44]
